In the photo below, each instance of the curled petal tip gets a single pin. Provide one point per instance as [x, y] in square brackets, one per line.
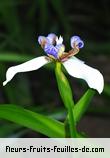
[80, 44]
[41, 39]
[51, 35]
[51, 38]
[76, 40]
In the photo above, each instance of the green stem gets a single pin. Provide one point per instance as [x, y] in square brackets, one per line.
[66, 95]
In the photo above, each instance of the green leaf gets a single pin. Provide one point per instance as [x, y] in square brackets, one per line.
[107, 89]
[14, 57]
[32, 120]
[10, 18]
[43, 10]
[60, 11]
[81, 107]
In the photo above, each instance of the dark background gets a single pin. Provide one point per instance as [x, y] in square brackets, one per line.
[21, 22]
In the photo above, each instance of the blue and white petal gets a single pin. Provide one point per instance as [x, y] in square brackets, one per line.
[42, 39]
[92, 76]
[30, 65]
[52, 38]
[77, 41]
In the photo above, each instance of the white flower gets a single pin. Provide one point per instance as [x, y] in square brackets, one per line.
[73, 65]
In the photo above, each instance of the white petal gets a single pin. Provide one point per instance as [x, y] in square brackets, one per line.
[30, 65]
[78, 69]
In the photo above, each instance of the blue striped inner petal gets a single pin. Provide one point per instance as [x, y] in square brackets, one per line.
[51, 50]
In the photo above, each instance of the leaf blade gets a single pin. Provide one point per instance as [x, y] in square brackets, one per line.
[32, 120]
[82, 105]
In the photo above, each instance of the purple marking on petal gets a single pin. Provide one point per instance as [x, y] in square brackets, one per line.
[74, 38]
[50, 49]
[41, 39]
[78, 41]
[81, 44]
[51, 37]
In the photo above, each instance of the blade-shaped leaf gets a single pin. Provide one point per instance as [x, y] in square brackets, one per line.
[43, 9]
[10, 18]
[6, 56]
[107, 89]
[82, 105]
[60, 11]
[32, 120]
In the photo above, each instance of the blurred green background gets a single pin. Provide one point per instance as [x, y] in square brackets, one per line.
[21, 22]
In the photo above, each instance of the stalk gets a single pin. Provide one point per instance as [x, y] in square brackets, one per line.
[67, 98]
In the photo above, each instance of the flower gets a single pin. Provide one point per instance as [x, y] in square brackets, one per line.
[55, 51]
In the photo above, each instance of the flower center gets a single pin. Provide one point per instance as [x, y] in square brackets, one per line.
[55, 51]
